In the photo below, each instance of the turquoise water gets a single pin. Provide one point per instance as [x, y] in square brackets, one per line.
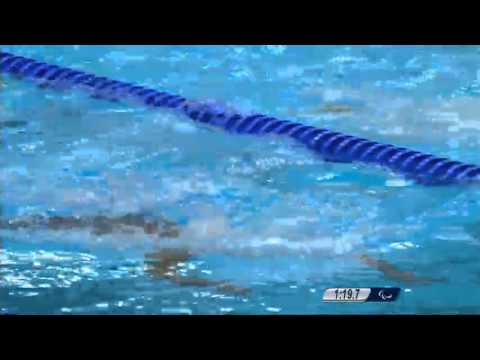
[263, 214]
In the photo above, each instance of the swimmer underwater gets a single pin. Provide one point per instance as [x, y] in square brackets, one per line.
[163, 263]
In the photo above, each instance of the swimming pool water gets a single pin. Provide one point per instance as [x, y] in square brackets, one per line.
[264, 213]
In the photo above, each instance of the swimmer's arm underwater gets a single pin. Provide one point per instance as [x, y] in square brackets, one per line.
[165, 263]
[390, 271]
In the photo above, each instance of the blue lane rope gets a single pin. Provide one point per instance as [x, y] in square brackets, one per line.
[332, 146]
